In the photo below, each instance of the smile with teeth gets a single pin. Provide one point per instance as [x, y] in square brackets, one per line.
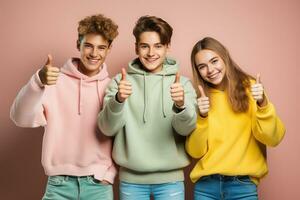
[213, 76]
[93, 60]
[150, 60]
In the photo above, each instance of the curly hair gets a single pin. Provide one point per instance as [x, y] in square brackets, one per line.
[155, 24]
[98, 24]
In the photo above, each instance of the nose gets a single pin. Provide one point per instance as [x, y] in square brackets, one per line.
[151, 52]
[210, 68]
[94, 52]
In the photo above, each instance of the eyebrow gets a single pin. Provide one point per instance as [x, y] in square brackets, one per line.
[159, 43]
[102, 45]
[209, 61]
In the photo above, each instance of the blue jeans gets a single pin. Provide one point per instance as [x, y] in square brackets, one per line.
[219, 187]
[164, 191]
[75, 188]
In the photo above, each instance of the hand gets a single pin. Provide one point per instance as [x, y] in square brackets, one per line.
[177, 92]
[104, 182]
[203, 102]
[49, 74]
[124, 88]
[257, 91]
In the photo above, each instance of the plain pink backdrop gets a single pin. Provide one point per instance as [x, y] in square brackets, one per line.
[262, 36]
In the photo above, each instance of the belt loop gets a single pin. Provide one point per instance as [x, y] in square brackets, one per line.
[89, 178]
[66, 178]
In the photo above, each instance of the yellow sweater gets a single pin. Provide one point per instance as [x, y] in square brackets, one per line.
[230, 143]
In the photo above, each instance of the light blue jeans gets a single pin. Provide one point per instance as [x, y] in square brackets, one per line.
[219, 187]
[164, 191]
[77, 188]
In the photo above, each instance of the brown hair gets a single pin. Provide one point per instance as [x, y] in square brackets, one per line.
[155, 24]
[236, 80]
[97, 24]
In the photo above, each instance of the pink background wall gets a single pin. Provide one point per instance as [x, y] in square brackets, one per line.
[262, 36]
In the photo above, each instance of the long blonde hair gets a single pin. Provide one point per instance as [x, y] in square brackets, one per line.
[236, 80]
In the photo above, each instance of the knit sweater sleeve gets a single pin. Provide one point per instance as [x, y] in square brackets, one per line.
[267, 127]
[111, 118]
[27, 109]
[197, 143]
[184, 122]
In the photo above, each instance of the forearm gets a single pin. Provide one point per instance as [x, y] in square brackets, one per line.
[111, 118]
[268, 128]
[27, 109]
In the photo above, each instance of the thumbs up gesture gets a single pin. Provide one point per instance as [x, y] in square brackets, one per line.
[49, 74]
[177, 92]
[124, 88]
[203, 102]
[257, 91]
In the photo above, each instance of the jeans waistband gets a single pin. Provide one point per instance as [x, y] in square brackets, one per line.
[67, 177]
[227, 178]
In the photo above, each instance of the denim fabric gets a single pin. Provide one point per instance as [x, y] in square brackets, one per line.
[219, 187]
[164, 191]
[77, 188]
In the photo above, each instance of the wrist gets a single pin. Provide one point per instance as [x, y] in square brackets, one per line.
[180, 106]
[118, 98]
[263, 102]
[203, 115]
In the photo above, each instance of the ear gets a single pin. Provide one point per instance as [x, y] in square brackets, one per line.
[109, 48]
[78, 45]
[168, 48]
[136, 48]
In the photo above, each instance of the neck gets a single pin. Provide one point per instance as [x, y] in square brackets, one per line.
[86, 72]
[221, 86]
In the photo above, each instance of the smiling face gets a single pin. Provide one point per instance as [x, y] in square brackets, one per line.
[151, 51]
[93, 51]
[211, 67]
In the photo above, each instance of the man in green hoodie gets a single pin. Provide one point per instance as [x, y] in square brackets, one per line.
[150, 110]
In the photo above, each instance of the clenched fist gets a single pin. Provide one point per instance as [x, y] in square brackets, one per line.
[49, 74]
[177, 92]
[257, 91]
[124, 88]
[203, 102]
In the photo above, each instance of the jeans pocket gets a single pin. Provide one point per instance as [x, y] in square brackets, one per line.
[204, 178]
[243, 180]
[56, 180]
[94, 181]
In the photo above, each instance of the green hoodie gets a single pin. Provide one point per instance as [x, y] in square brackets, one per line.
[149, 131]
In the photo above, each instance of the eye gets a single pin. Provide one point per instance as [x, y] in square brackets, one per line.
[102, 48]
[143, 46]
[88, 46]
[158, 46]
[214, 61]
[200, 67]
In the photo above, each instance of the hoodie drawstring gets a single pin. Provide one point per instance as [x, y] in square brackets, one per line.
[80, 100]
[145, 100]
[98, 93]
[80, 104]
[162, 96]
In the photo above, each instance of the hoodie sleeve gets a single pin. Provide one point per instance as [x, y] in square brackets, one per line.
[196, 144]
[27, 109]
[111, 118]
[267, 127]
[184, 122]
[110, 174]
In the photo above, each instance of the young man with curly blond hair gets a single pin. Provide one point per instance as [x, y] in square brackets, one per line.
[75, 154]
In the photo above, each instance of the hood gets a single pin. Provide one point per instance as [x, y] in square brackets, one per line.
[170, 68]
[70, 69]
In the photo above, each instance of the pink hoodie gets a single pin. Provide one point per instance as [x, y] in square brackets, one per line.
[72, 143]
